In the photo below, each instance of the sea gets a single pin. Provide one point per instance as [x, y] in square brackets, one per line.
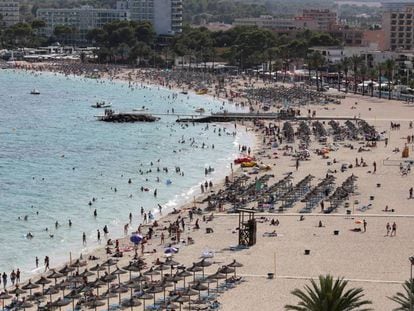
[55, 157]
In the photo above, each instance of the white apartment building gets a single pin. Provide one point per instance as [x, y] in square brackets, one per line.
[9, 11]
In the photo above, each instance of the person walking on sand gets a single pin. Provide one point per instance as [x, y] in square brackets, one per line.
[297, 164]
[47, 263]
[162, 238]
[375, 167]
[411, 193]
[84, 238]
[394, 229]
[98, 236]
[388, 227]
[17, 276]
[37, 262]
[365, 225]
[4, 276]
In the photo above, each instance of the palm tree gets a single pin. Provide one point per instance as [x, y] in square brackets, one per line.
[356, 62]
[271, 54]
[363, 72]
[345, 67]
[380, 68]
[373, 73]
[404, 299]
[389, 68]
[329, 295]
[316, 61]
[339, 69]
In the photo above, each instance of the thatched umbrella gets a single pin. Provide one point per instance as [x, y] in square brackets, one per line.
[217, 276]
[25, 304]
[94, 304]
[203, 263]
[151, 272]
[119, 290]
[181, 300]
[189, 292]
[17, 291]
[161, 268]
[140, 278]
[194, 269]
[118, 272]
[77, 264]
[107, 295]
[54, 275]
[132, 268]
[62, 285]
[73, 295]
[183, 274]
[164, 283]
[226, 270]
[86, 273]
[234, 264]
[171, 263]
[174, 279]
[108, 278]
[145, 296]
[199, 287]
[59, 303]
[169, 306]
[109, 263]
[97, 268]
[132, 285]
[131, 303]
[154, 290]
[4, 296]
[66, 269]
[43, 281]
[51, 291]
[30, 286]
[98, 284]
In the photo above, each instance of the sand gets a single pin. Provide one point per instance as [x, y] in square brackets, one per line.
[371, 260]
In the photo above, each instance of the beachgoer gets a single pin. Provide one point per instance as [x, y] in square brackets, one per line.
[17, 276]
[37, 262]
[394, 229]
[83, 239]
[365, 225]
[162, 238]
[47, 262]
[98, 236]
[388, 227]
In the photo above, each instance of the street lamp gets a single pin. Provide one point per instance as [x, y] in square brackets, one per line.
[411, 259]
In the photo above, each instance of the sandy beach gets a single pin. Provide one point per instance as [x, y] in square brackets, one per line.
[372, 260]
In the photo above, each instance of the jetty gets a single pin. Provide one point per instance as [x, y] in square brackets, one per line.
[232, 117]
[123, 117]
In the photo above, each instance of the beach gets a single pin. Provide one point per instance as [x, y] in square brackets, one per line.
[369, 258]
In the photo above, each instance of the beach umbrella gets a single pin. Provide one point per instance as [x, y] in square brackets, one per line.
[203, 263]
[25, 304]
[66, 269]
[136, 238]
[132, 285]
[208, 281]
[171, 262]
[169, 306]
[86, 273]
[51, 291]
[170, 250]
[29, 286]
[37, 297]
[161, 268]
[118, 272]
[108, 278]
[77, 264]
[43, 281]
[194, 269]
[109, 263]
[119, 290]
[98, 284]
[174, 278]
[94, 304]
[217, 276]
[199, 287]
[59, 303]
[97, 268]
[73, 295]
[4, 296]
[226, 270]
[151, 272]
[164, 284]
[189, 292]
[62, 285]
[154, 290]
[130, 303]
[55, 275]
[181, 300]
[107, 295]
[145, 296]
[184, 274]
[132, 267]
[234, 264]
[17, 291]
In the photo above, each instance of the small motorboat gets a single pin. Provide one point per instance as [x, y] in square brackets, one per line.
[143, 108]
[248, 164]
[200, 110]
[184, 92]
[35, 92]
[101, 105]
[202, 91]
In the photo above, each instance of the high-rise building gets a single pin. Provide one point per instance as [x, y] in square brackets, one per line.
[397, 24]
[9, 12]
[81, 20]
[165, 15]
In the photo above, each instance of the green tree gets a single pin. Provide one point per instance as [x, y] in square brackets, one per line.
[405, 298]
[355, 62]
[389, 69]
[316, 60]
[329, 295]
[345, 63]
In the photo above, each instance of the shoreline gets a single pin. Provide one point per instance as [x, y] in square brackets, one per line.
[183, 205]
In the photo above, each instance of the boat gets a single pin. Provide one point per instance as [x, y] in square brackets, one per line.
[101, 105]
[35, 92]
[243, 160]
[140, 109]
[184, 92]
[200, 110]
[248, 164]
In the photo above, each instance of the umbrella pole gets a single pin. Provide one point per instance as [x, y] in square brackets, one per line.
[144, 305]
[73, 304]
[184, 282]
[108, 300]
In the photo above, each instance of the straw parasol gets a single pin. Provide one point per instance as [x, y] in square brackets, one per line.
[189, 292]
[109, 263]
[93, 304]
[29, 286]
[194, 269]
[25, 304]
[51, 291]
[43, 281]
[54, 275]
[161, 268]
[132, 267]
[4, 296]
[181, 300]
[118, 272]
[199, 287]
[66, 269]
[73, 295]
[59, 303]
[154, 290]
[97, 268]
[226, 270]
[17, 291]
[107, 295]
[169, 306]
[130, 303]
[151, 272]
[145, 296]
[183, 274]
[234, 264]
[217, 276]
[175, 279]
[203, 263]
[120, 289]
[98, 284]
[86, 273]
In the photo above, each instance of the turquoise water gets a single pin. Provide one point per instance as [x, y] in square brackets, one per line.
[55, 157]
